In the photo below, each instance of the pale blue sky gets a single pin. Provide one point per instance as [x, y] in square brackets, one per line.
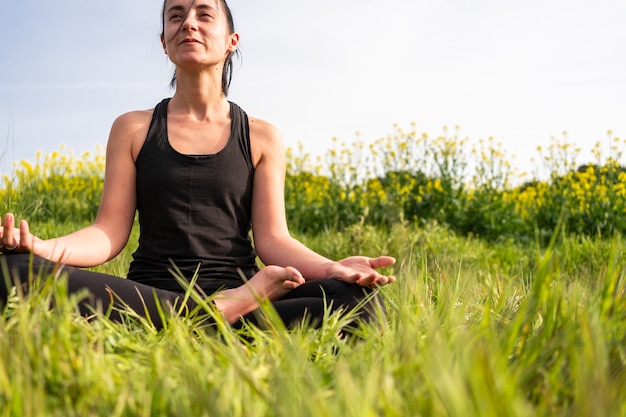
[520, 71]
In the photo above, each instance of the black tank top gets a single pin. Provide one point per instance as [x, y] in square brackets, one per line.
[194, 210]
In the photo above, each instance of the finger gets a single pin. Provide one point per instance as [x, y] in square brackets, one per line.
[367, 284]
[7, 236]
[377, 280]
[8, 218]
[368, 280]
[381, 280]
[382, 261]
[26, 240]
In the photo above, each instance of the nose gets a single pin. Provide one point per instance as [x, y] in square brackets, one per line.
[189, 23]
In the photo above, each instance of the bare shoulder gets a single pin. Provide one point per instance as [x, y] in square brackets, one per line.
[265, 139]
[263, 130]
[131, 129]
[135, 116]
[133, 120]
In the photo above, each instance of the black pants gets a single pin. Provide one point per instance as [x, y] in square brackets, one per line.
[113, 293]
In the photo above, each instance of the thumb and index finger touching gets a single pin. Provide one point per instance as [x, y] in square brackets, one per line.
[8, 237]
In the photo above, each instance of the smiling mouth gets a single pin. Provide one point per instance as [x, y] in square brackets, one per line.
[188, 40]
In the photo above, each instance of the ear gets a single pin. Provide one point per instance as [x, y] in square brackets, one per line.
[163, 44]
[234, 42]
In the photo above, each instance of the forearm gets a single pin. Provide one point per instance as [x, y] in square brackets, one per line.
[86, 247]
[288, 251]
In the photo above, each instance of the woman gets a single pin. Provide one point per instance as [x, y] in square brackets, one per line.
[201, 175]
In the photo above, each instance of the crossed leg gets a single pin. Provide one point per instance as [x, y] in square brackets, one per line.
[284, 287]
[271, 283]
[107, 291]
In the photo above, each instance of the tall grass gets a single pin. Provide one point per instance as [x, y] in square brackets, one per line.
[472, 330]
[531, 323]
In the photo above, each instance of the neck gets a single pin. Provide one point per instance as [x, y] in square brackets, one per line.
[199, 93]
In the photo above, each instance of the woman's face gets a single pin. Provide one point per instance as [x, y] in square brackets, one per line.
[196, 32]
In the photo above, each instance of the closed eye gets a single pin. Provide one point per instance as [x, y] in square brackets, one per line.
[176, 12]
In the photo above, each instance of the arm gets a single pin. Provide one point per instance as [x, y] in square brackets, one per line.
[273, 242]
[108, 235]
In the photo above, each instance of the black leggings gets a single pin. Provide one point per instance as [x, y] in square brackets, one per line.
[111, 293]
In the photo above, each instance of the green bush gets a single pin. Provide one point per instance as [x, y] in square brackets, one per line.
[401, 178]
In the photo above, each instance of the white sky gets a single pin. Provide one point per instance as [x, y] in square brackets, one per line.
[520, 71]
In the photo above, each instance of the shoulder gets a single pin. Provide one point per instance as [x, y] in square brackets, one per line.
[263, 130]
[131, 129]
[133, 120]
[265, 139]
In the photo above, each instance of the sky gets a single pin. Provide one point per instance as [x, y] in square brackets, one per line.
[518, 71]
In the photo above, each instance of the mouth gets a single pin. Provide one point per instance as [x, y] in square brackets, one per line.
[189, 41]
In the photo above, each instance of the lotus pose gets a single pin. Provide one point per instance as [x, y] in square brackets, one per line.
[202, 175]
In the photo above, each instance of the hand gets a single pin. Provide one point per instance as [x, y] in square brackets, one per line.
[361, 270]
[10, 241]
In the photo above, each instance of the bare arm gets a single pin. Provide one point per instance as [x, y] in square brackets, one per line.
[108, 235]
[273, 242]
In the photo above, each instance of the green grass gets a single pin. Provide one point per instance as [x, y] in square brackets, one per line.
[493, 314]
[474, 329]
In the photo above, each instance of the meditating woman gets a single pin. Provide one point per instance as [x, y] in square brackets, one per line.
[202, 175]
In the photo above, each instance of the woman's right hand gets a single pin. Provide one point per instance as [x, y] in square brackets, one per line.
[18, 240]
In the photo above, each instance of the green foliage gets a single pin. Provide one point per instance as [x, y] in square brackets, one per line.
[509, 299]
[406, 177]
[403, 177]
[473, 329]
[58, 185]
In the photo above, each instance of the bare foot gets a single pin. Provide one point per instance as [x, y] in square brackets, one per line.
[271, 283]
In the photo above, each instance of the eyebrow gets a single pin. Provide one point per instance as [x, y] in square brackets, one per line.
[181, 8]
[205, 6]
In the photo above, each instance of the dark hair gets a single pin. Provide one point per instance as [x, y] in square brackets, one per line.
[227, 72]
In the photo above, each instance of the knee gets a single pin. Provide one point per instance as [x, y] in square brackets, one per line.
[13, 266]
[20, 269]
[22, 265]
[355, 296]
[350, 293]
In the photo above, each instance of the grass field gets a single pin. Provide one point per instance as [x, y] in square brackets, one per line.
[530, 324]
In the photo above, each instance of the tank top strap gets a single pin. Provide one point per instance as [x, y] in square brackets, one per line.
[241, 129]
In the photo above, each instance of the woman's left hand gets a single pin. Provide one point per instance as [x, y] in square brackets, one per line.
[361, 270]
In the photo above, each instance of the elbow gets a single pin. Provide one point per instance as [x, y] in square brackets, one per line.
[269, 250]
[116, 248]
[262, 253]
